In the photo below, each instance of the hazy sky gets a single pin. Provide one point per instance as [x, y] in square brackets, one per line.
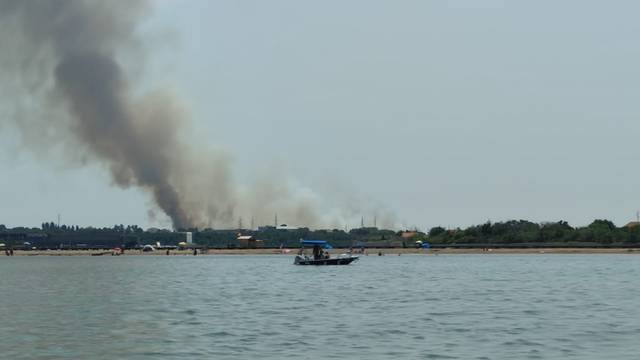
[444, 112]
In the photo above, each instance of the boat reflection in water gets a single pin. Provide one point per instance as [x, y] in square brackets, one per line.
[320, 256]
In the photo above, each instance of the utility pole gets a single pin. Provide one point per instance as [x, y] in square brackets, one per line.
[240, 223]
[375, 220]
[362, 223]
[275, 223]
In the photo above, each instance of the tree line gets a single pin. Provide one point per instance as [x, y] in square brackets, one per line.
[522, 232]
[512, 232]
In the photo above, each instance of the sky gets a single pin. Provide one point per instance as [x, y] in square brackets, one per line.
[445, 113]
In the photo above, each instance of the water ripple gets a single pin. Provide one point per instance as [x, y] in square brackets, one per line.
[239, 307]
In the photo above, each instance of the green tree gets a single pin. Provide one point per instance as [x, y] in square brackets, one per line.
[602, 225]
[435, 231]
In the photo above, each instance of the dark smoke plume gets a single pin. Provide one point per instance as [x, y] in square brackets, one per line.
[80, 41]
[62, 66]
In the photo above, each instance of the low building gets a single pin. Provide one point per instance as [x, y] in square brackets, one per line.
[408, 235]
[11, 238]
[632, 224]
[286, 227]
[249, 242]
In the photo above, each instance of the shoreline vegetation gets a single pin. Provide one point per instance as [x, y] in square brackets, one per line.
[503, 237]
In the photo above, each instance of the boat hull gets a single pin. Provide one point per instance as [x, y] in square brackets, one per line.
[334, 261]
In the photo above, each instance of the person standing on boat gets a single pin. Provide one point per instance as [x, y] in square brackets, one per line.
[317, 252]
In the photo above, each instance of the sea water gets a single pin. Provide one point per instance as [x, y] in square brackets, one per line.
[485, 306]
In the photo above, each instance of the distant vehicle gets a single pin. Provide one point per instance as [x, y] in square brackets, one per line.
[166, 247]
[159, 246]
[148, 248]
[320, 257]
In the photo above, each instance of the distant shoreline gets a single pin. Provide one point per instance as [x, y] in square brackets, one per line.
[368, 252]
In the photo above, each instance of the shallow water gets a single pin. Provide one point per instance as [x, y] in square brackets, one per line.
[245, 307]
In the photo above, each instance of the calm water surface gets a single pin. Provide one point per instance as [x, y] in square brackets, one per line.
[245, 307]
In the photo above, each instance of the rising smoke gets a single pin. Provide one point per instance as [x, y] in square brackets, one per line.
[64, 64]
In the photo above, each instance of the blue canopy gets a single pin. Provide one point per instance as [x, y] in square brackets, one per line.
[322, 243]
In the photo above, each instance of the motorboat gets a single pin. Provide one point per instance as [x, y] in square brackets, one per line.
[305, 260]
[319, 256]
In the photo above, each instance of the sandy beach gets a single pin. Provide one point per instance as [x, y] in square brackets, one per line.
[368, 252]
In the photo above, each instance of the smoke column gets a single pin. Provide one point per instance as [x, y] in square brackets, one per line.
[67, 57]
[138, 140]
